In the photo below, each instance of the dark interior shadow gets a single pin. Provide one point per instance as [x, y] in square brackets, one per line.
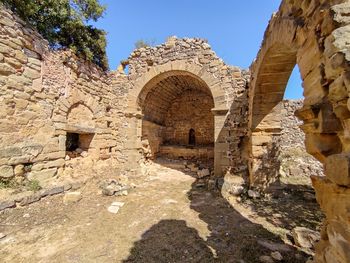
[233, 238]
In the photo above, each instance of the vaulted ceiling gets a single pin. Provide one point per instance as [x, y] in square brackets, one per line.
[162, 94]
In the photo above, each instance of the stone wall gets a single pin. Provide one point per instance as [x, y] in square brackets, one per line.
[118, 116]
[191, 110]
[314, 35]
[152, 138]
[158, 75]
[295, 163]
[44, 95]
[49, 94]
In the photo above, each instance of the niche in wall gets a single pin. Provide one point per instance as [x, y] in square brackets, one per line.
[77, 143]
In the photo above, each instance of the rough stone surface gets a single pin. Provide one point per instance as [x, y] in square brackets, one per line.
[314, 37]
[114, 207]
[114, 187]
[304, 237]
[121, 121]
[6, 171]
[266, 259]
[276, 256]
[30, 199]
[53, 191]
[71, 197]
[7, 204]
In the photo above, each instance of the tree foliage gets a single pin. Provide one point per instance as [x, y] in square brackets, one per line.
[64, 23]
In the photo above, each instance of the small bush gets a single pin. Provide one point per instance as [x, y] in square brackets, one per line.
[33, 185]
[141, 43]
[9, 183]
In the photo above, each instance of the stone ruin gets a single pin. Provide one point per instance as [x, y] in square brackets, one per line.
[62, 117]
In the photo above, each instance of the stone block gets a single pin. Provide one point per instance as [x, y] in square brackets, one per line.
[43, 175]
[322, 145]
[337, 90]
[4, 49]
[7, 204]
[72, 197]
[20, 56]
[261, 139]
[31, 74]
[6, 69]
[328, 121]
[52, 191]
[333, 199]
[6, 171]
[13, 63]
[304, 237]
[338, 169]
[49, 164]
[30, 199]
[339, 237]
[19, 170]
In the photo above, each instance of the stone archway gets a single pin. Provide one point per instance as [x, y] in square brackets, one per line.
[198, 80]
[312, 35]
[79, 116]
[174, 107]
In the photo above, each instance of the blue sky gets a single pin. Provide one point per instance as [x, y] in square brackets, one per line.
[233, 28]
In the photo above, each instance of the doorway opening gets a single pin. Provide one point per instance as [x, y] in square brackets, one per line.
[177, 119]
[192, 137]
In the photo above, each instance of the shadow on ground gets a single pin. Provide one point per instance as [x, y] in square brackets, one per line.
[290, 205]
[233, 238]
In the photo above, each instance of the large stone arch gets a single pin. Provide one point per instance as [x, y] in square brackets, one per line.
[160, 72]
[269, 76]
[311, 34]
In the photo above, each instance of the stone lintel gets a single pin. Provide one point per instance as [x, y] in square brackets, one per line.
[219, 111]
[80, 129]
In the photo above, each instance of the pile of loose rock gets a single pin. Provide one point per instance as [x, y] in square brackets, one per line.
[200, 170]
[116, 187]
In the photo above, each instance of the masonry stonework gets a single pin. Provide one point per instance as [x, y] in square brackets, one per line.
[44, 96]
[314, 35]
[157, 78]
[293, 160]
[62, 117]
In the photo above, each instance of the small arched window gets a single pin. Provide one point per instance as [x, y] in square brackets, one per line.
[191, 137]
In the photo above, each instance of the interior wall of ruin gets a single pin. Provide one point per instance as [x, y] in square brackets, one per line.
[191, 110]
[152, 138]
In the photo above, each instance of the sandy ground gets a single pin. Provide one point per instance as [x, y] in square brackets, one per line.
[169, 217]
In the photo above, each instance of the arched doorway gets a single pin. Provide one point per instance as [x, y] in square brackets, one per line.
[191, 137]
[208, 84]
[177, 121]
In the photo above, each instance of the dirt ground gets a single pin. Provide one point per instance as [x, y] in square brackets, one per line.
[169, 217]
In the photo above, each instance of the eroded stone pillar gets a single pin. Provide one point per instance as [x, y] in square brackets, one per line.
[133, 146]
[221, 147]
[263, 164]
